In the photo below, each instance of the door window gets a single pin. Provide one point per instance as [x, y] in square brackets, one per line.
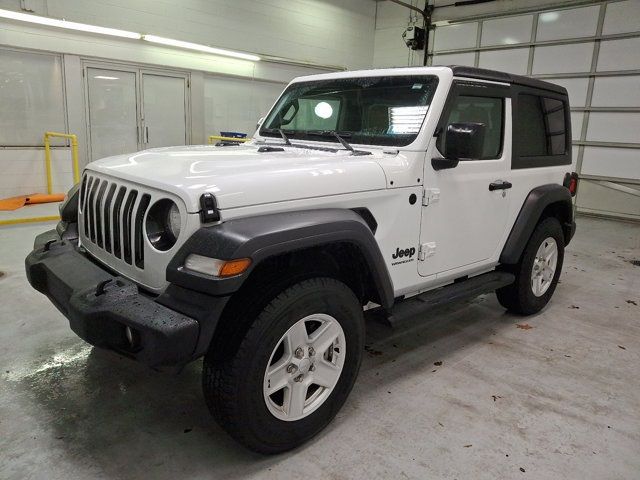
[488, 111]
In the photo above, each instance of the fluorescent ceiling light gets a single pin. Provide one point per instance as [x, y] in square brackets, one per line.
[200, 48]
[114, 32]
[104, 77]
[52, 22]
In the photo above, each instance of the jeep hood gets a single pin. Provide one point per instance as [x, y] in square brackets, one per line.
[241, 176]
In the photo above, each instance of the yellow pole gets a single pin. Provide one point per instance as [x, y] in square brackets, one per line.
[227, 139]
[74, 156]
[15, 221]
[47, 162]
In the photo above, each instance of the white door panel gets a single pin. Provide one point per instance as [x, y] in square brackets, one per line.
[163, 108]
[468, 221]
[467, 224]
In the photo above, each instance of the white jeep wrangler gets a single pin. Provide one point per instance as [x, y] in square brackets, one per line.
[404, 189]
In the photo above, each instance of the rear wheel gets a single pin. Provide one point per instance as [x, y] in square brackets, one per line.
[292, 371]
[538, 271]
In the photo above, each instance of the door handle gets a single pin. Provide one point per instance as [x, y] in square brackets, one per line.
[146, 134]
[499, 185]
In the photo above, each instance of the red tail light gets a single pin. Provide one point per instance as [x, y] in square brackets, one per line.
[571, 182]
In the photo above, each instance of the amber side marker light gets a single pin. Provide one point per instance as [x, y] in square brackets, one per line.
[216, 267]
[234, 267]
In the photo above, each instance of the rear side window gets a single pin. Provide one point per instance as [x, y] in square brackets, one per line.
[540, 126]
[486, 110]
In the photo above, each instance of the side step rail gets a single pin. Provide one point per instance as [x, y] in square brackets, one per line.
[455, 292]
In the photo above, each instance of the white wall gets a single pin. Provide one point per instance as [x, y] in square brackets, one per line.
[389, 47]
[333, 32]
[233, 104]
[324, 32]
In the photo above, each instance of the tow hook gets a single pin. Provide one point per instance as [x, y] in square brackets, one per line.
[100, 288]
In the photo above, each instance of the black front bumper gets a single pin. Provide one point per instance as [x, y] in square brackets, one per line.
[100, 306]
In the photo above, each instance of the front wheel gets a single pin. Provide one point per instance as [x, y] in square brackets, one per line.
[292, 371]
[538, 271]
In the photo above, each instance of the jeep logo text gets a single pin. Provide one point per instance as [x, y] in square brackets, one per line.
[407, 252]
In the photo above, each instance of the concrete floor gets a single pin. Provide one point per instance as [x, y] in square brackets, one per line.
[473, 393]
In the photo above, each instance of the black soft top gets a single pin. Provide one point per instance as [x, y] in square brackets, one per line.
[494, 75]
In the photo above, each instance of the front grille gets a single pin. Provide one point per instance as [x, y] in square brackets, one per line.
[113, 216]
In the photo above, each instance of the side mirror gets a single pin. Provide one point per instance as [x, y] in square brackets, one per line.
[462, 140]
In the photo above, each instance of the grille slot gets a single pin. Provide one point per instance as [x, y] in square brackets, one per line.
[107, 218]
[99, 197]
[117, 231]
[91, 210]
[126, 227]
[85, 205]
[113, 218]
[139, 246]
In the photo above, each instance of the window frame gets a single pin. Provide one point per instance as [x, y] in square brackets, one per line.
[480, 89]
[376, 141]
[535, 161]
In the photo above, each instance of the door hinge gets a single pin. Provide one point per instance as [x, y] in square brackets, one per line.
[426, 250]
[430, 195]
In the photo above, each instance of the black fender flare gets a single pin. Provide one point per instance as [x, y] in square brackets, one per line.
[537, 200]
[263, 236]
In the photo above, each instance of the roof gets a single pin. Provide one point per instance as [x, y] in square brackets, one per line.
[496, 76]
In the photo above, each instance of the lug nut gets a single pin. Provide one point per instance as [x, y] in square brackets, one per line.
[299, 378]
[312, 352]
[291, 368]
[312, 367]
[299, 353]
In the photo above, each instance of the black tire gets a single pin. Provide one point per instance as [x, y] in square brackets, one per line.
[519, 297]
[233, 384]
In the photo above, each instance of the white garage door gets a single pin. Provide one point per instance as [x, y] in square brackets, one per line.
[591, 50]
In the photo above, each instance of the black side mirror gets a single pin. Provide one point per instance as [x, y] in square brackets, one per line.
[462, 140]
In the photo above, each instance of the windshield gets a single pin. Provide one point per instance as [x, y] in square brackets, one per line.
[385, 111]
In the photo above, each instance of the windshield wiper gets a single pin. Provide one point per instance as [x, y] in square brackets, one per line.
[339, 137]
[280, 131]
[284, 137]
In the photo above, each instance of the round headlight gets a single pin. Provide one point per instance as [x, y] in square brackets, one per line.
[163, 224]
[173, 220]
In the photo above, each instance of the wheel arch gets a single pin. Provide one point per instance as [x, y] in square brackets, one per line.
[552, 200]
[285, 248]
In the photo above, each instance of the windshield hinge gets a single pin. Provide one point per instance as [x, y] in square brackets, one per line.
[430, 195]
[208, 208]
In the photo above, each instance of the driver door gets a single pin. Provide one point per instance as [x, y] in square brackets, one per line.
[464, 220]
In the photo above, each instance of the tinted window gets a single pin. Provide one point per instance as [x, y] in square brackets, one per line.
[488, 111]
[540, 126]
[365, 110]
